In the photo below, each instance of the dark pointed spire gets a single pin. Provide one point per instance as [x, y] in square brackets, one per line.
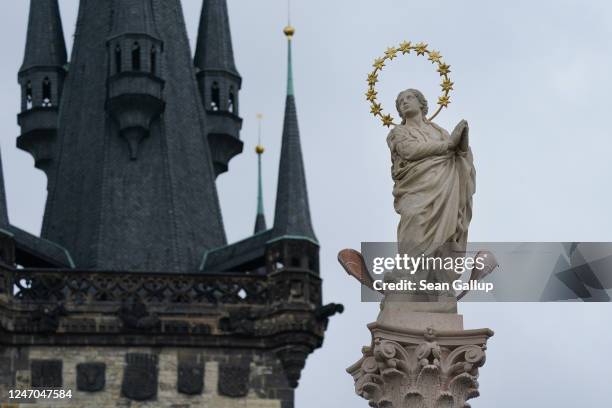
[219, 83]
[292, 215]
[291, 242]
[155, 209]
[45, 45]
[214, 46]
[41, 79]
[289, 32]
[4, 221]
[260, 219]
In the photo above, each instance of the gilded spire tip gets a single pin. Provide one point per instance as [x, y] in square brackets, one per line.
[289, 31]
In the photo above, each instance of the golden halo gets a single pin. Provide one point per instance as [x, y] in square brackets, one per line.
[405, 48]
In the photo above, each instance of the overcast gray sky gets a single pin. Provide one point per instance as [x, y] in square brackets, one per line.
[533, 80]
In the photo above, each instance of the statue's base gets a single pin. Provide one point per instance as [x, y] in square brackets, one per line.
[420, 316]
[420, 359]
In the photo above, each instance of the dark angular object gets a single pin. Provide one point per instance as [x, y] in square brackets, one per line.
[327, 311]
[91, 377]
[46, 373]
[234, 379]
[241, 321]
[292, 214]
[190, 377]
[293, 359]
[136, 317]
[140, 376]
[46, 319]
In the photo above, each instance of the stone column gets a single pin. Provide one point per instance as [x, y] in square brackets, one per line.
[419, 360]
[420, 355]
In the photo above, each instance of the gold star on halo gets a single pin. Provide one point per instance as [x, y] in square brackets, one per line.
[387, 120]
[390, 53]
[371, 94]
[404, 47]
[376, 108]
[421, 48]
[379, 63]
[434, 56]
[372, 78]
[447, 85]
[443, 68]
[444, 101]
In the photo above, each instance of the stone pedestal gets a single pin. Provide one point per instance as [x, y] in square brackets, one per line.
[420, 360]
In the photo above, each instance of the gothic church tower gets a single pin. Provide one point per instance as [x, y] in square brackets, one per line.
[131, 292]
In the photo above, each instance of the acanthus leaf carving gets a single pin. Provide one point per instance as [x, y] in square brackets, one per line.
[423, 373]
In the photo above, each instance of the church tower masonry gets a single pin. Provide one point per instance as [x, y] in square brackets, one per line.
[135, 186]
[131, 294]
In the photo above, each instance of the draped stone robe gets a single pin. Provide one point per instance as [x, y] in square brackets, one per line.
[433, 191]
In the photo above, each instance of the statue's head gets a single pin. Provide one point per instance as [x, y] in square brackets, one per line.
[411, 102]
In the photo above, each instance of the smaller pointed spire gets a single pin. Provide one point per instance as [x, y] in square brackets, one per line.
[289, 32]
[260, 220]
[214, 49]
[41, 79]
[4, 221]
[45, 45]
[292, 214]
[219, 84]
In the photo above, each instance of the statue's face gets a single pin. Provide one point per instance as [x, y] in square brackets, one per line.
[408, 104]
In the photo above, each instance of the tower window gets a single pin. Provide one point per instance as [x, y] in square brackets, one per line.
[153, 60]
[136, 57]
[28, 95]
[215, 97]
[117, 59]
[231, 103]
[46, 93]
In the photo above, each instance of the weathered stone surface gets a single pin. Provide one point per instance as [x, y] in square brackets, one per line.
[234, 380]
[190, 379]
[140, 376]
[293, 359]
[271, 390]
[91, 377]
[136, 318]
[405, 368]
[46, 373]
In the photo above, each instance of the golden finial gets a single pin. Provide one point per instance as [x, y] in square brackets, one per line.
[289, 31]
[259, 149]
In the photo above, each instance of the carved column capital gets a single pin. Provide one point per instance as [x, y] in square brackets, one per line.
[420, 369]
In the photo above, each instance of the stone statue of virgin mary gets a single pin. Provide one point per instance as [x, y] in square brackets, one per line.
[434, 180]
